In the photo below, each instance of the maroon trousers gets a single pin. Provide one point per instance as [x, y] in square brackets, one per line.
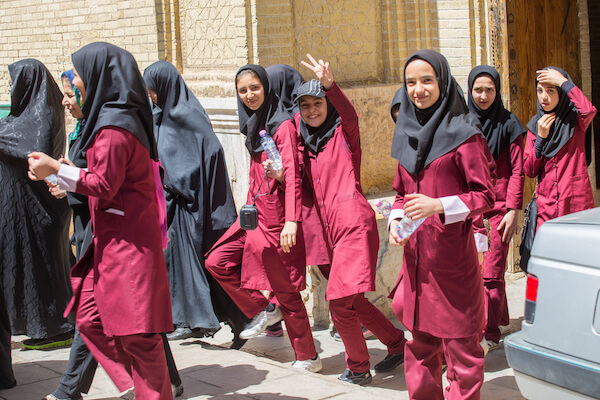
[348, 314]
[134, 360]
[494, 267]
[423, 367]
[225, 262]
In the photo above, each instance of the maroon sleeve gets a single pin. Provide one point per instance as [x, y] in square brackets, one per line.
[585, 109]
[531, 164]
[471, 160]
[287, 144]
[514, 193]
[348, 116]
[112, 149]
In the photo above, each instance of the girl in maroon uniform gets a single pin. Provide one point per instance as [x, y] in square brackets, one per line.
[443, 176]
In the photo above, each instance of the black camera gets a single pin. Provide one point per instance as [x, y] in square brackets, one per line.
[248, 217]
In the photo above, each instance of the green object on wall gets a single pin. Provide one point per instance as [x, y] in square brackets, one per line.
[4, 110]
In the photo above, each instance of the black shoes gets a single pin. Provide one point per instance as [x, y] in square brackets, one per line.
[356, 378]
[390, 362]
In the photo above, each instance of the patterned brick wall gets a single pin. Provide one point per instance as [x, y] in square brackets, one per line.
[50, 30]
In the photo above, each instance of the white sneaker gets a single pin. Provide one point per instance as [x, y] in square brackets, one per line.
[484, 346]
[309, 365]
[260, 323]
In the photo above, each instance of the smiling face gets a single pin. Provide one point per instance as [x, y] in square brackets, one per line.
[547, 96]
[484, 91]
[421, 84]
[70, 100]
[313, 110]
[250, 90]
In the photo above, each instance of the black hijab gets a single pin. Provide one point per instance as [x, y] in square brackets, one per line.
[562, 128]
[396, 100]
[36, 121]
[500, 127]
[314, 139]
[421, 136]
[284, 82]
[269, 115]
[115, 94]
[184, 134]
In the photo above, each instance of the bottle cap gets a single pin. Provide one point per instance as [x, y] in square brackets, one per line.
[378, 202]
[262, 132]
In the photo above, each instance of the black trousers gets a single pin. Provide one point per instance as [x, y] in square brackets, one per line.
[7, 377]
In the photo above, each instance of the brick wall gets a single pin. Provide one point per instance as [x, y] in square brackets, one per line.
[50, 30]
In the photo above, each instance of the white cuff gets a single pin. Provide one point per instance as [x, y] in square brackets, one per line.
[481, 242]
[454, 209]
[397, 213]
[68, 177]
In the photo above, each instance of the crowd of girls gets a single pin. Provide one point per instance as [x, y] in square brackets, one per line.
[457, 163]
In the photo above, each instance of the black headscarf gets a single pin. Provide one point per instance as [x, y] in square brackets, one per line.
[269, 116]
[396, 100]
[562, 128]
[284, 82]
[314, 139]
[500, 127]
[36, 121]
[115, 94]
[421, 136]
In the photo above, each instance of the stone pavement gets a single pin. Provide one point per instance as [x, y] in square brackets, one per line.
[262, 369]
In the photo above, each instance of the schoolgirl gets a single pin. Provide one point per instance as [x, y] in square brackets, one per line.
[504, 136]
[272, 256]
[120, 285]
[443, 176]
[555, 151]
[331, 142]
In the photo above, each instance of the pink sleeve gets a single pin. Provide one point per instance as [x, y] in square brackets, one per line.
[348, 116]
[106, 172]
[480, 195]
[514, 194]
[531, 164]
[287, 144]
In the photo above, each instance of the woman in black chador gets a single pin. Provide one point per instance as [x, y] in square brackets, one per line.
[35, 254]
[200, 206]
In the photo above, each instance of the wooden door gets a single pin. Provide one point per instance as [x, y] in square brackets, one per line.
[541, 33]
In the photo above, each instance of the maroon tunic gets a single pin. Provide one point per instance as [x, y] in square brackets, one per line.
[348, 218]
[563, 182]
[264, 264]
[440, 286]
[131, 289]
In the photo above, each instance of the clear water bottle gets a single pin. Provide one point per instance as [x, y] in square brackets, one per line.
[52, 179]
[383, 207]
[270, 148]
[406, 226]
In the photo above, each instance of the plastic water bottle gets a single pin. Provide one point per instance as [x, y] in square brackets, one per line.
[270, 148]
[383, 207]
[52, 179]
[406, 226]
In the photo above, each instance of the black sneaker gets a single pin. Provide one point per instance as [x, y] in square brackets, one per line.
[357, 378]
[390, 362]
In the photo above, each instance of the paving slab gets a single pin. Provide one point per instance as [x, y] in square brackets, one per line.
[262, 368]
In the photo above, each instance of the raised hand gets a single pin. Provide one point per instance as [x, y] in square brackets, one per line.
[551, 77]
[544, 124]
[322, 70]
